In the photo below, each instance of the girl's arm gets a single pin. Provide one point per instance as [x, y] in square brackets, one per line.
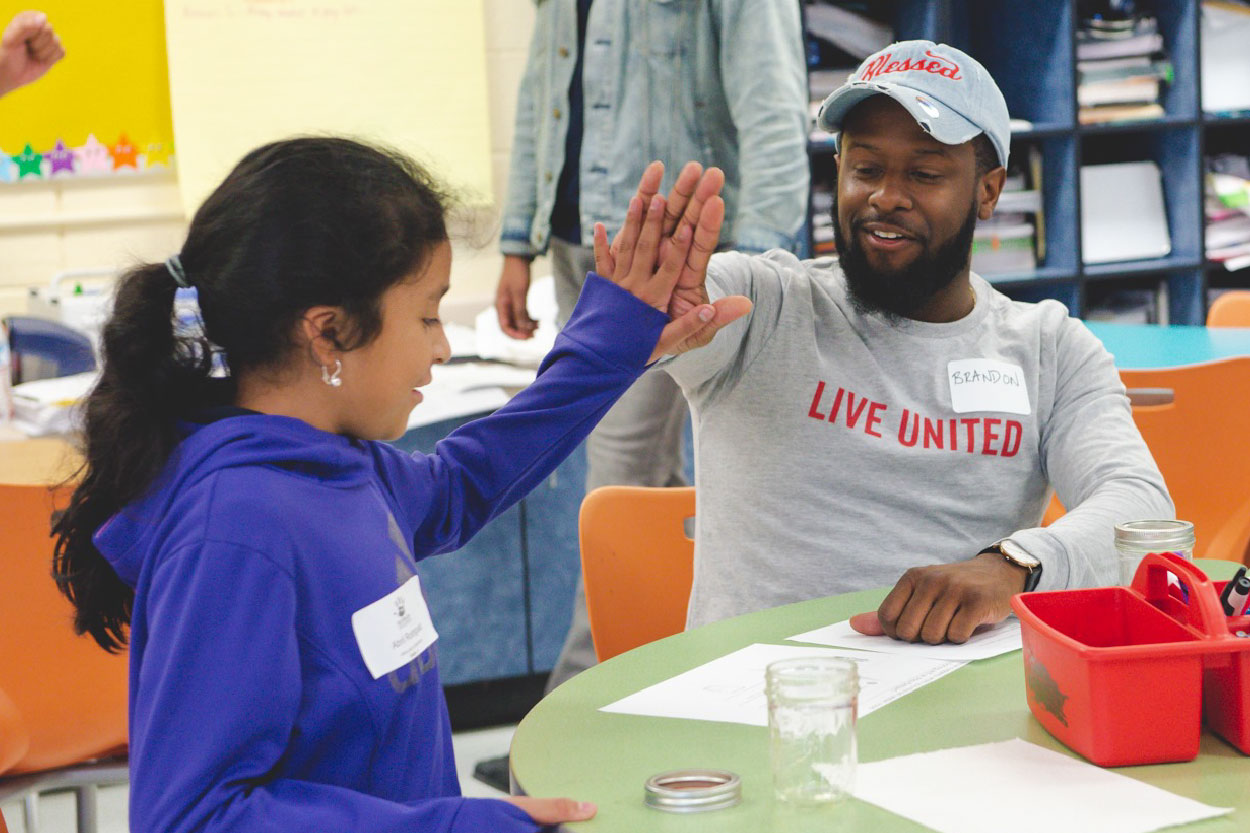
[216, 695]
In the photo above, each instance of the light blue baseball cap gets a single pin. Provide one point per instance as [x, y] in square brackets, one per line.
[949, 94]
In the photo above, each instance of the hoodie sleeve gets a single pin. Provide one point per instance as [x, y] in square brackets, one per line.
[215, 690]
[487, 465]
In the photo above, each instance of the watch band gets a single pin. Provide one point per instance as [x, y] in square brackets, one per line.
[1034, 575]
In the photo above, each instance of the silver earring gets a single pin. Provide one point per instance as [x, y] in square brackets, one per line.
[333, 379]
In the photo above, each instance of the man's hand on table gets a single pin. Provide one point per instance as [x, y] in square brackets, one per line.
[946, 602]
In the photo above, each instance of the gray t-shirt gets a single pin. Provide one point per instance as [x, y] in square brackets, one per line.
[834, 449]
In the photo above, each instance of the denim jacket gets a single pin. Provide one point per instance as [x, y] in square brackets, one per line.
[721, 82]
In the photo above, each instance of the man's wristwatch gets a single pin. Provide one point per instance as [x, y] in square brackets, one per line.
[1015, 554]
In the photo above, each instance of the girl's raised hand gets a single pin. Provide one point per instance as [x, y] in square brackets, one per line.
[648, 263]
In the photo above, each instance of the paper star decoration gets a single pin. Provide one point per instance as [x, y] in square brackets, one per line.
[61, 158]
[125, 154]
[159, 153]
[28, 162]
[93, 157]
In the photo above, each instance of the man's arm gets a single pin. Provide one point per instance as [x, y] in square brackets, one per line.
[521, 201]
[28, 49]
[1098, 463]
[765, 83]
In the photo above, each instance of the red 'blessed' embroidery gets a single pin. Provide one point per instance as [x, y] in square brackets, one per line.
[939, 65]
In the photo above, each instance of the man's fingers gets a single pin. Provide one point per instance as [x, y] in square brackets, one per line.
[709, 186]
[867, 624]
[937, 622]
[695, 329]
[680, 195]
[514, 318]
[706, 234]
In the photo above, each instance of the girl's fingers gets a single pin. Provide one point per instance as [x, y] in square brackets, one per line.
[671, 267]
[649, 183]
[643, 266]
[604, 262]
[627, 240]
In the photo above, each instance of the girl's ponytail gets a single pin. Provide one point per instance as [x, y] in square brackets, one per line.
[151, 377]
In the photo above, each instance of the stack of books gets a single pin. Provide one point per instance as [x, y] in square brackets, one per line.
[1121, 70]
[1228, 211]
[1013, 240]
[822, 221]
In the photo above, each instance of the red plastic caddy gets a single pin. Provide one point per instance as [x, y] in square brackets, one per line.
[1125, 675]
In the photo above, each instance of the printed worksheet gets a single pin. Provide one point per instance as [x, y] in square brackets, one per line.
[990, 642]
[731, 689]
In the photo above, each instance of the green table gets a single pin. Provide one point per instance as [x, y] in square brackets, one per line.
[567, 747]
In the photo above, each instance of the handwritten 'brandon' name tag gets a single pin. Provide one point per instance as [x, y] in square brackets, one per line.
[987, 385]
[394, 630]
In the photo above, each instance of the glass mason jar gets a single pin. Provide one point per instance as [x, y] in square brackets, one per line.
[1134, 539]
[812, 708]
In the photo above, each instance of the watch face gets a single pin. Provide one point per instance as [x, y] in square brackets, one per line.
[1014, 553]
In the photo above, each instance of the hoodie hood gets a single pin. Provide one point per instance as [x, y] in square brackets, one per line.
[127, 539]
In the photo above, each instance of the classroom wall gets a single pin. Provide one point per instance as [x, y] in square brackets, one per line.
[111, 222]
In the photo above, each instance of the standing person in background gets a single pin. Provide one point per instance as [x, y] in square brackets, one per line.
[609, 86]
[28, 49]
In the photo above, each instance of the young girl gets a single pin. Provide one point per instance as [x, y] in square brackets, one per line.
[254, 541]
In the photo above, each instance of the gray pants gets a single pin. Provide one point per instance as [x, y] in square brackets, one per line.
[638, 443]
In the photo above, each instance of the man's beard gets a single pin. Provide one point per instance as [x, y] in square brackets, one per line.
[899, 294]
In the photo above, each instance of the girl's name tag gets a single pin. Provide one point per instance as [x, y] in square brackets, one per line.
[394, 630]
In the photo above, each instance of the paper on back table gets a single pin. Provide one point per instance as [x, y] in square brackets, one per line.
[1019, 786]
[998, 639]
[731, 689]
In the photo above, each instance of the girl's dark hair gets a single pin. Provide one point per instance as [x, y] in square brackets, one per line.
[296, 224]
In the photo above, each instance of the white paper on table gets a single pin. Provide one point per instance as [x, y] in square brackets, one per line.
[1019, 786]
[995, 640]
[731, 689]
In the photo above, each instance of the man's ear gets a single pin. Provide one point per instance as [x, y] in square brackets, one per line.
[989, 188]
[319, 331]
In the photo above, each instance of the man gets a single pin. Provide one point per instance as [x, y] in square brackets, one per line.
[888, 412]
[609, 86]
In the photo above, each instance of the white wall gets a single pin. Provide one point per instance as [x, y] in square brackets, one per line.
[115, 221]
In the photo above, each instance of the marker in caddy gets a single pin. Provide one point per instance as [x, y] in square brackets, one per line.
[1236, 593]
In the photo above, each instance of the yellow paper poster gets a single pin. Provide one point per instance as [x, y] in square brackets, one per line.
[407, 73]
[105, 106]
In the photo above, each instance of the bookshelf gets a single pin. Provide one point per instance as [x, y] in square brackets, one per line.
[1029, 46]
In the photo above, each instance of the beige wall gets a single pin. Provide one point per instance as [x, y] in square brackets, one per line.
[112, 222]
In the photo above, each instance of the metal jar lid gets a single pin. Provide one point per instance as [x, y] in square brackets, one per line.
[693, 790]
[1161, 534]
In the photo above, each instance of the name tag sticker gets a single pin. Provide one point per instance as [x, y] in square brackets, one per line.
[987, 385]
[394, 630]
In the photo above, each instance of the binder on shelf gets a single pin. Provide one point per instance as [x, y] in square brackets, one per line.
[1122, 213]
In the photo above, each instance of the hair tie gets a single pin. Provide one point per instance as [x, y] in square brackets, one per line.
[173, 265]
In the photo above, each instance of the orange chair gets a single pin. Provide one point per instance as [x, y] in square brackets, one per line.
[70, 695]
[1201, 441]
[637, 564]
[14, 739]
[1231, 309]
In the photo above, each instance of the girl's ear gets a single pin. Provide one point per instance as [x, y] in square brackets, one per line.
[319, 331]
